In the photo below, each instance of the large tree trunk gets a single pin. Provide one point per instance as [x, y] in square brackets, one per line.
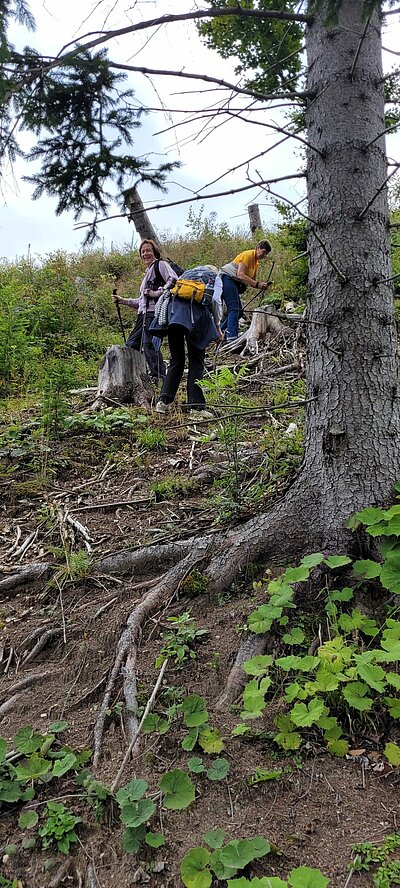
[351, 455]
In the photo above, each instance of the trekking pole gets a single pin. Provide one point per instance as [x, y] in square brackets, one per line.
[260, 291]
[119, 315]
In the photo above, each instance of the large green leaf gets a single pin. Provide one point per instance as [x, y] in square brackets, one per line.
[194, 711]
[334, 561]
[211, 741]
[390, 573]
[312, 560]
[34, 768]
[393, 705]
[178, 790]
[356, 695]
[214, 838]
[3, 749]
[304, 715]
[374, 676]
[154, 840]
[27, 741]
[258, 665]
[237, 854]
[392, 753]
[370, 516]
[367, 568]
[28, 819]
[63, 765]
[194, 868]
[305, 877]
[135, 813]
[132, 838]
[219, 769]
[132, 792]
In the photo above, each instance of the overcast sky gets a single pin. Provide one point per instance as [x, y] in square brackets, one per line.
[32, 225]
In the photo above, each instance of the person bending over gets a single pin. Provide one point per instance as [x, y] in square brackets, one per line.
[236, 277]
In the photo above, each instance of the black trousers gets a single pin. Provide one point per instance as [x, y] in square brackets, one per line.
[177, 337]
[140, 339]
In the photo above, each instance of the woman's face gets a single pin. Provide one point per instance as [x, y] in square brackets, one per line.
[147, 254]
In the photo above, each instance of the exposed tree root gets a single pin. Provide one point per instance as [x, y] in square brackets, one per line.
[251, 645]
[127, 643]
[17, 689]
[61, 873]
[28, 574]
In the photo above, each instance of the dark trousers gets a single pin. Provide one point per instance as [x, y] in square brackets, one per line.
[177, 336]
[141, 340]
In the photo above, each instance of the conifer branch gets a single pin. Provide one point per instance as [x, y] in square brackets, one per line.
[377, 193]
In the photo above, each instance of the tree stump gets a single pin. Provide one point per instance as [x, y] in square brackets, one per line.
[123, 379]
[264, 324]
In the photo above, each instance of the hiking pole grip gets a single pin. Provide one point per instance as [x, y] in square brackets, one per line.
[119, 315]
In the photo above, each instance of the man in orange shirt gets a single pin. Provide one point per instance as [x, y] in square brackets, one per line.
[236, 277]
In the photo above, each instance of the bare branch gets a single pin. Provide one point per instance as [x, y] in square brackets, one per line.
[186, 16]
[194, 197]
[264, 97]
[389, 129]
[358, 50]
[377, 193]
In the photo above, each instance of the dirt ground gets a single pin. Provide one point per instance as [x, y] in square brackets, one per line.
[316, 809]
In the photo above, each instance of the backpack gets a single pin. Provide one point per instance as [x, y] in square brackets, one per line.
[196, 284]
[158, 280]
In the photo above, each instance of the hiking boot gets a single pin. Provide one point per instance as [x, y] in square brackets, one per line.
[161, 407]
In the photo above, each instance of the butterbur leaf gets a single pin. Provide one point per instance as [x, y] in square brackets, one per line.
[63, 765]
[260, 620]
[390, 573]
[194, 868]
[393, 679]
[305, 715]
[34, 768]
[334, 561]
[305, 877]
[26, 741]
[214, 838]
[28, 819]
[194, 711]
[132, 792]
[338, 747]
[135, 813]
[374, 676]
[189, 742]
[392, 753]
[195, 765]
[296, 574]
[393, 705]
[211, 741]
[3, 749]
[154, 840]
[312, 560]
[178, 790]
[345, 594]
[296, 636]
[258, 665]
[57, 727]
[131, 840]
[240, 730]
[356, 695]
[219, 769]
[370, 516]
[367, 568]
[237, 854]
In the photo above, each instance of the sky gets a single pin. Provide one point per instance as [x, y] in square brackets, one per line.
[206, 152]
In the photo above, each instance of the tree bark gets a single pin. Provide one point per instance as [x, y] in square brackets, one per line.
[351, 450]
[123, 378]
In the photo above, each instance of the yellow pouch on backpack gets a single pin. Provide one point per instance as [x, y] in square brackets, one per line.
[189, 290]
